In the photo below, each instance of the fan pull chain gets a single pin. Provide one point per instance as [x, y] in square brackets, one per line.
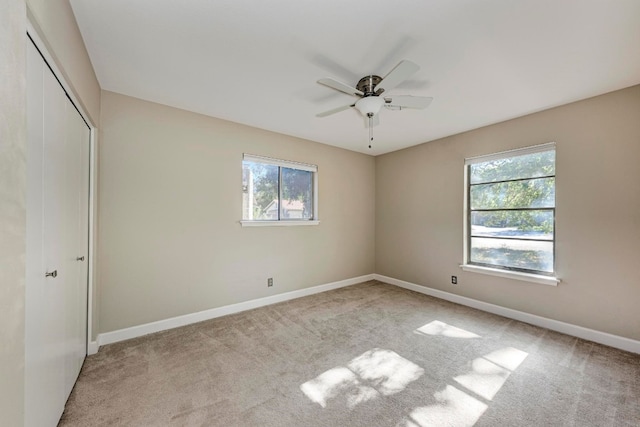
[370, 129]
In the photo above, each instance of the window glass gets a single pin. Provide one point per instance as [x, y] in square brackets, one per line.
[530, 224]
[511, 211]
[515, 167]
[259, 191]
[297, 194]
[516, 254]
[528, 193]
[275, 190]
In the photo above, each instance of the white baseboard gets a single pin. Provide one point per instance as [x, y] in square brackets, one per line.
[187, 319]
[611, 340]
[92, 348]
[555, 325]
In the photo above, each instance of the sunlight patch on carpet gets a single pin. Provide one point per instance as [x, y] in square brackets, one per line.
[375, 373]
[454, 408]
[440, 328]
[489, 373]
[507, 357]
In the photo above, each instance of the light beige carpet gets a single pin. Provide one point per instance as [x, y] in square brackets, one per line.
[367, 355]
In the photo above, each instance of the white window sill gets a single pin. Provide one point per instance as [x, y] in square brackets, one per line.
[277, 223]
[516, 275]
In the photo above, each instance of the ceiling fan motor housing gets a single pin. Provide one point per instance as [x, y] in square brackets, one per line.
[368, 84]
[369, 105]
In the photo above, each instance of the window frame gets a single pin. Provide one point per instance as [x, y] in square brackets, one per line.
[289, 165]
[536, 276]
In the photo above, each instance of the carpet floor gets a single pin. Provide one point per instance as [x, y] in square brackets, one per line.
[366, 355]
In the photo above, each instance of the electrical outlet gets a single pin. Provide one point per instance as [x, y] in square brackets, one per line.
[454, 280]
[270, 282]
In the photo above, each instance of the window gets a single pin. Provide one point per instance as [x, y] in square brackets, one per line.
[511, 210]
[278, 191]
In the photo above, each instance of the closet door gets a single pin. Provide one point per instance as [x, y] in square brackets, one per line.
[43, 323]
[41, 372]
[57, 245]
[77, 244]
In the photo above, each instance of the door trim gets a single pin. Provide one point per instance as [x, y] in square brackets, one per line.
[35, 35]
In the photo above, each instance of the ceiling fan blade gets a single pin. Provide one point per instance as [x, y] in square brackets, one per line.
[407, 101]
[334, 110]
[342, 87]
[400, 73]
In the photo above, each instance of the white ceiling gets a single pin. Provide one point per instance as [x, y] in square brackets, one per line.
[257, 62]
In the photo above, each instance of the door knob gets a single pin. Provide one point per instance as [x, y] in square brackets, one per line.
[53, 274]
[80, 258]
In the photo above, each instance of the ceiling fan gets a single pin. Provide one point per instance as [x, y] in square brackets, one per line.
[370, 88]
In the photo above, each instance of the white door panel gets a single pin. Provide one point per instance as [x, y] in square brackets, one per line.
[40, 368]
[57, 234]
[53, 243]
[76, 287]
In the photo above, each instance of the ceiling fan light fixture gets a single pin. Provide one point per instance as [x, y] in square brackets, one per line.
[370, 105]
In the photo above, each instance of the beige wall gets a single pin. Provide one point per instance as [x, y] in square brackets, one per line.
[419, 213]
[56, 24]
[170, 200]
[13, 148]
